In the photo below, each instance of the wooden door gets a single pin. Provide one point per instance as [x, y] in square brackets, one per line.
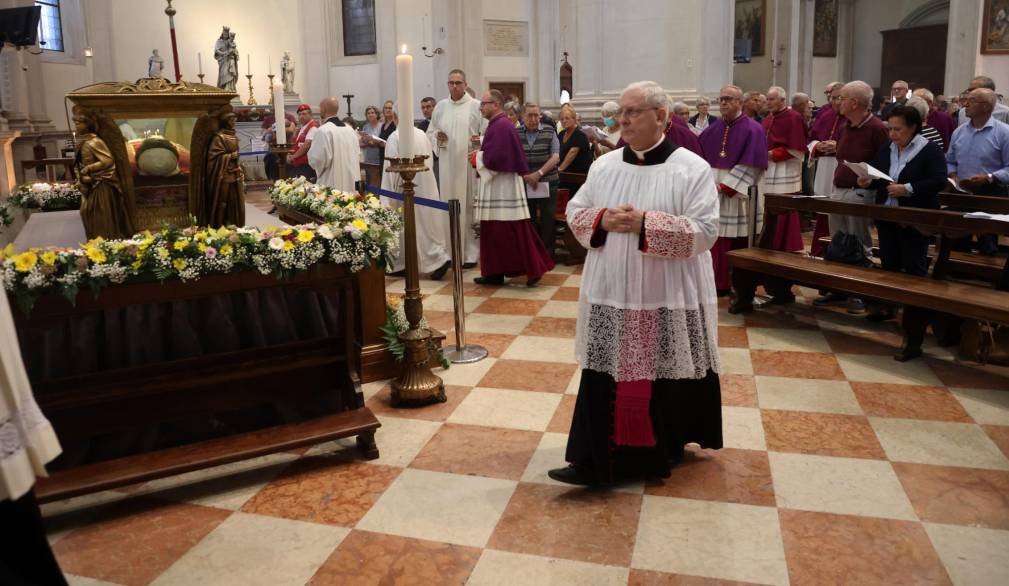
[510, 89]
[916, 55]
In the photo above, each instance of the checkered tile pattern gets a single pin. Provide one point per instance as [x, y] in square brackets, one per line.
[840, 466]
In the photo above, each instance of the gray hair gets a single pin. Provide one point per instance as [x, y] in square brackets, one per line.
[655, 96]
[860, 91]
[925, 94]
[983, 81]
[919, 104]
[799, 99]
[680, 107]
[703, 100]
[832, 86]
[901, 83]
[610, 107]
[777, 90]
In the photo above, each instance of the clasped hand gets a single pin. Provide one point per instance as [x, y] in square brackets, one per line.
[623, 219]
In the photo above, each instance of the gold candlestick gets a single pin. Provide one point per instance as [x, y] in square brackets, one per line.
[271, 76]
[416, 384]
[201, 76]
[252, 98]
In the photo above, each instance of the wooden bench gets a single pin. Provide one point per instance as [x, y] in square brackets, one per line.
[978, 266]
[778, 270]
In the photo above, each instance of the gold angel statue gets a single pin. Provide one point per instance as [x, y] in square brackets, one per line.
[103, 176]
[216, 180]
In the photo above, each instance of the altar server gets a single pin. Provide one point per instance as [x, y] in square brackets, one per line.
[432, 224]
[454, 124]
[647, 317]
[335, 154]
[785, 130]
[735, 147]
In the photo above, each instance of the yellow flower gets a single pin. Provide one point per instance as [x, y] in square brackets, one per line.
[179, 264]
[145, 243]
[225, 250]
[284, 232]
[7, 252]
[95, 254]
[201, 247]
[25, 261]
[288, 246]
[162, 253]
[201, 235]
[49, 258]
[136, 264]
[180, 244]
[359, 224]
[306, 236]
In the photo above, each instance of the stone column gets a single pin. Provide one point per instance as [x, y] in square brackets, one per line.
[654, 41]
[13, 97]
[548, 55]
[962, 44]
[37, 115]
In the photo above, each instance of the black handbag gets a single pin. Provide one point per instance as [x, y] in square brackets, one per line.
[846, 248]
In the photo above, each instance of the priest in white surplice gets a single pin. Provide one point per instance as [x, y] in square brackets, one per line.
[432, 224]
[647, 334]
[454, 123]
[335, 154]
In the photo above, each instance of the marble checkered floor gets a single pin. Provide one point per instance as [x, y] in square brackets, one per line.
[841, 466]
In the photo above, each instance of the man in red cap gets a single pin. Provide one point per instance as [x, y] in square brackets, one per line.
[302, 141]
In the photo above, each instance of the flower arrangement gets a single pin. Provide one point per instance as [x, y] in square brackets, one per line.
[40, 196]
[362, 217]
[186, 254]
[396, 323]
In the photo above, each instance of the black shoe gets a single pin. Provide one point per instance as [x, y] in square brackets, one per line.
[880, 315]
[723, 292]
[908, 352]
[439, 273]
[469, 265]
[572, 475]
[491, 280]
[532, 282]
[401, 273]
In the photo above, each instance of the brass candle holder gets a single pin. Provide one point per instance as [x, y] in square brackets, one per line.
[252, 98]
[271, 76]
[201, 76]
[281, 151]
[416, 384]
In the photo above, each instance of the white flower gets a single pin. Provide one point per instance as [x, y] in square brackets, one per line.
[40, 187]
[326, 232]
[276, 243]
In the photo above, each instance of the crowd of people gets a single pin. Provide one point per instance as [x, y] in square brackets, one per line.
[507, 161]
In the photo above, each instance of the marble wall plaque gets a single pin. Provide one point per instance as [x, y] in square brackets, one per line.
[506, 38]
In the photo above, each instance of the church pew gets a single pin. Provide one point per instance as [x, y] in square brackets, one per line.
[779, 270]
[574, 253]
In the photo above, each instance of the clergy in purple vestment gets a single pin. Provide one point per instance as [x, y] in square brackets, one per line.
[509, 245]
[736, 149]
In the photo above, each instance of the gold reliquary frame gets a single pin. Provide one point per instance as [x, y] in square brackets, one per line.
[159, 197]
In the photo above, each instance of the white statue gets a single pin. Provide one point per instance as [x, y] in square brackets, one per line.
[155, 65]
[226, 54]
[287, 72]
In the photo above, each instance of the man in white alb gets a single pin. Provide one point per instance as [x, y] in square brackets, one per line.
[335, 154]
[454, 123]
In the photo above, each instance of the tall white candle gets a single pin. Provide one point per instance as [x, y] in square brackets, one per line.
[269, 61]
[278, 112]
[404, 87]
[248, 63]
[199, 59]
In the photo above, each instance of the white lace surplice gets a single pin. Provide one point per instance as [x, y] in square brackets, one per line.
[27, 440]
[733, 210]
[652, 314]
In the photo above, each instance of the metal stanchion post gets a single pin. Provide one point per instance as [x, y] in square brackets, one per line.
[460, 353]
[751, 215]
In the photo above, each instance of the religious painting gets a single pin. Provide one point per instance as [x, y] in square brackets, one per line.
[995, 28]
[825, 29]
[751, 23]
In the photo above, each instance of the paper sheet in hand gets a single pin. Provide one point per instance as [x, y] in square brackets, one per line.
[542, 190]
[867, 170]
[594, 133]
[956, 185]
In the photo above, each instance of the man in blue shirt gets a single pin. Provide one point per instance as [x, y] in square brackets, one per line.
[978, 155]
[542, 150]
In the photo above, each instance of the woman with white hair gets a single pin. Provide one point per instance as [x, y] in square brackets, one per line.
[611, 127]
[929, 132]
[703, 118]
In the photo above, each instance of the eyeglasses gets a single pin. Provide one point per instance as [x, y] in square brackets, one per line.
[834, 98]
[632, 112]
[487, 103]
[456, 83]
[727, 98]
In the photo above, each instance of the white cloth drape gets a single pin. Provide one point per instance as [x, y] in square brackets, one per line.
[459, 120]
[27, 440]
[733, 210]
[432, 224]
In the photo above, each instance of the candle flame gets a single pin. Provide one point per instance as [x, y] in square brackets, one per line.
[403, 50]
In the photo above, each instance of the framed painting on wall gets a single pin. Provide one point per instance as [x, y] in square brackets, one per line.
[751, 16]
[995, 28]
[825, 29]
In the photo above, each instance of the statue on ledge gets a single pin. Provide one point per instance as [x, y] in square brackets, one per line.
[287, 72]
[155, 65]
[226, 54]
[216, 180]
[103, 176]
